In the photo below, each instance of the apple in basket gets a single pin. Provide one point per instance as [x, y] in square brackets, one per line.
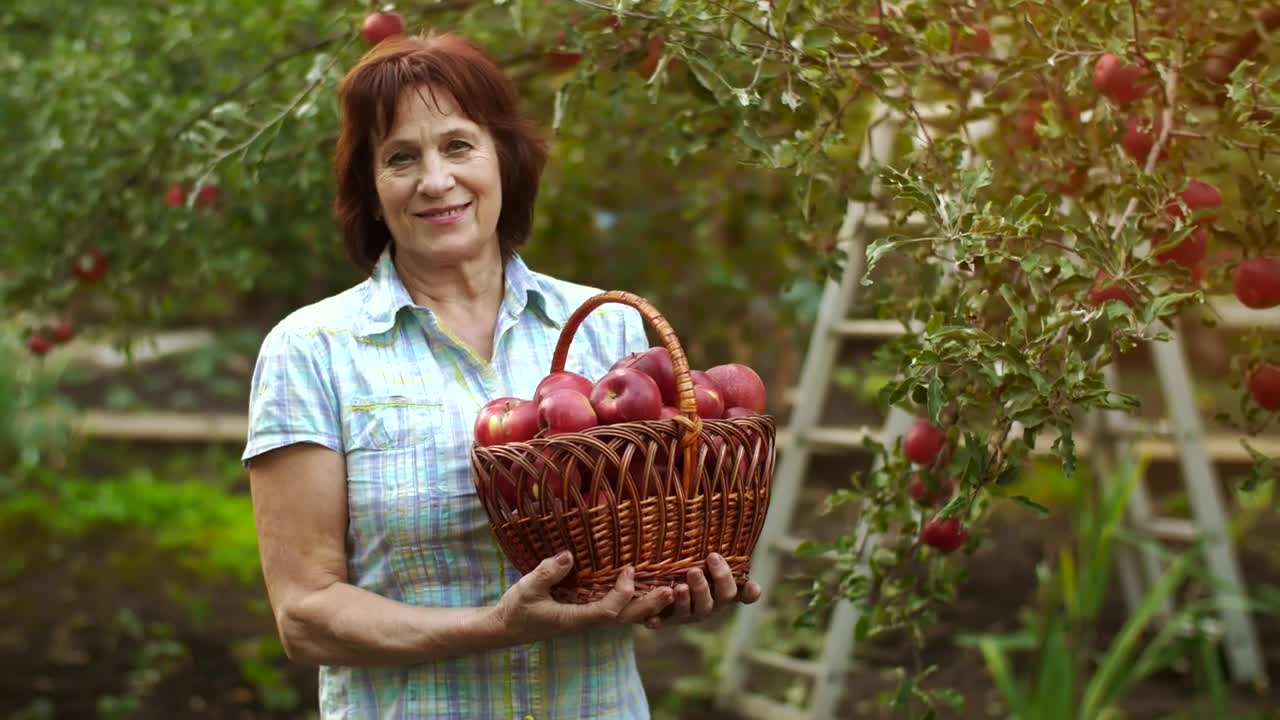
[740, 386]
[656, 363]
[506, 419]
[626, 395]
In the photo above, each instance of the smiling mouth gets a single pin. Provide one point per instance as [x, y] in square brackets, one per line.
[453, 211]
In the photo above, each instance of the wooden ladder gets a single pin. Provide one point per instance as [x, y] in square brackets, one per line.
[802, 435]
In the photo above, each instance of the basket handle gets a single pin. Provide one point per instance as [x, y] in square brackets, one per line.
[685, 399]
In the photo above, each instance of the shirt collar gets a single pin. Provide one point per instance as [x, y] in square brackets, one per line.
[385, 295]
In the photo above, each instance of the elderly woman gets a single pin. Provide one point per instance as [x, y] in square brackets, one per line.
[379, 562]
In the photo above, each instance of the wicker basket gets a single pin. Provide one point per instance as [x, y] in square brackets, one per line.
[657, 494]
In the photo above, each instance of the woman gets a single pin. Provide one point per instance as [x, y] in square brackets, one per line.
[379, 562]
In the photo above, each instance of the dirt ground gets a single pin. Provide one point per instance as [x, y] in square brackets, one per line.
[77, 658]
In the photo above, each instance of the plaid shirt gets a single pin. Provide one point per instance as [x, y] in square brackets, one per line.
[376, 378]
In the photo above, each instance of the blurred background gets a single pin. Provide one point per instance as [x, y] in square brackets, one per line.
[167, 199]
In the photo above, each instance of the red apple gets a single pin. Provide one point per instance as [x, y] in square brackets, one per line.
[1264, 386]
[1256, 282]
[562, 379]
[379, 26]
[669, 412]
[561, 60]
[649, 65]
[923, 442]
[979, 42]
[208, 197]
[1187, 253]
[1140, 137]
[1075, 182]
[945, 536]
[737, 412]
[920, 492]
[656, 363]
[1198, 195]
[504, 420]
[707, 395]
[740, 386]
[38, 345]
[89, 265]
[62, 331]
[626, 395]
[565, 411]
[1106, 289]
[1025, 122]
[1118, 81]
[175, 195]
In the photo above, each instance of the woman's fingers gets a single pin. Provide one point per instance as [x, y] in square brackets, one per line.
[722, 579]
[700, 592]
[648, 605]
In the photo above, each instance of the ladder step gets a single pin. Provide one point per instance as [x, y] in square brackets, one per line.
[1130, 426]
[785, 663]
[857, 328]
[829, 438]
[758, 707]
[1169, 529]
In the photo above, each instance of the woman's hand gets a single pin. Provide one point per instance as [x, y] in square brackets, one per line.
[528, 612]
[697, 599]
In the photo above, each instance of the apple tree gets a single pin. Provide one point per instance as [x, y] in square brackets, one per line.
[174, 157]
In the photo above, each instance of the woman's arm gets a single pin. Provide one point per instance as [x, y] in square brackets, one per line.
[300, 509]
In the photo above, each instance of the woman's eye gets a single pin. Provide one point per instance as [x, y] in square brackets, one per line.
[399, 158]
[459, 145]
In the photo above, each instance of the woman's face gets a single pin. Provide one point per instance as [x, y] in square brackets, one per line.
[438, 181]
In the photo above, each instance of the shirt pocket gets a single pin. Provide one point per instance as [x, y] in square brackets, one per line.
[394, 422]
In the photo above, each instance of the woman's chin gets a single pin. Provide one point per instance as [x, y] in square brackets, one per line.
[450, 248]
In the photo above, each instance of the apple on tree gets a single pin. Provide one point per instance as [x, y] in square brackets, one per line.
[1140, 136]
[38, 345]
[944, 535]
[1264, 386]
[175, 196]
[1188, 253]
[90, 265]
[379, 26]
[930, 494]
[1197, 195]
[1118, 81]
[923, 442]
[1256, 282]
[1106, 289]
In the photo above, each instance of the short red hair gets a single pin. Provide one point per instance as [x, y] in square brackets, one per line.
[369, 96]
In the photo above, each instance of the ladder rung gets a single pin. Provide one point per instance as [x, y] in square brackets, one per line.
[758, 707]
[785, 663]
[867, 328]
[1169, 529]
[829, 438]
[1130, 426]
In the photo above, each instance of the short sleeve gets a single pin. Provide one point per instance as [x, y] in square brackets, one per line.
[292, 399]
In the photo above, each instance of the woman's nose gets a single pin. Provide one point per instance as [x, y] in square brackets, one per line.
[437, 177]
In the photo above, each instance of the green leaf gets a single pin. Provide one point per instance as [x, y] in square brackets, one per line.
[935, 398]
[883, 246]
[1031, 505]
